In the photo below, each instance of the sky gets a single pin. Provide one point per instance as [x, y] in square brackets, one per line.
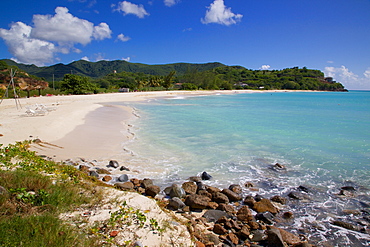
[330, 35]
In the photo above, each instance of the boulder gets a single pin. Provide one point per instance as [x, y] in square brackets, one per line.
[213, 190]
[214, 215]
[265, 205]
[113, 164]
[152, 190]
[226, 207]
[177, 191]
[258, 235]
[195, 201]
[190, 187]
[146, 182]
[296, 195]
[219, 229]
[279, 199]
[233, 238]
[236, 188]
[205, 193]
[233, 197]
[274, 238]
[201, 186]
[195, 179]
[289, 238]
[278, 167]
[135, 181]
[124, 168]
[102, 171]
[93, 174]
[84, 168]
[244, 232]
[176, 203]
[266, 217]
[249, 185]
[244, 214]
[220, 197]
[206, 176]
[123, 178]
[346, 225]
[249, 200]
[124, 186]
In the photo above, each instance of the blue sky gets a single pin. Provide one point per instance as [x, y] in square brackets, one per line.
[330, 35]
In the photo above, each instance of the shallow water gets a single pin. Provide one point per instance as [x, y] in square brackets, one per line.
[322, 138]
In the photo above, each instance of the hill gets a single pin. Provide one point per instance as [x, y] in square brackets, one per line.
[102, 68]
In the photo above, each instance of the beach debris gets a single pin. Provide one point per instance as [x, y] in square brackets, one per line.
[113, 163]
[206, 176]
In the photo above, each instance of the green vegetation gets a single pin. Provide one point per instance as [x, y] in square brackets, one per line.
[82, 77]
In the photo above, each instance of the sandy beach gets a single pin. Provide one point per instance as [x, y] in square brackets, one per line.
[85, 126]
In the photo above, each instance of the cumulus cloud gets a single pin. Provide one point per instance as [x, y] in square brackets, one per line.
[349, 79]
[218, 13]
[85, 58]
[170, 3]
[131, 8]
[265, 67]
[127, 59]
[123, 38]
[50, 35]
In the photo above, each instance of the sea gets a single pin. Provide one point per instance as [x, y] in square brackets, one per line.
[321, 139]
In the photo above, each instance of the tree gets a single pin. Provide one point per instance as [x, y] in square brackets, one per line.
[168, 80]
[76, 84]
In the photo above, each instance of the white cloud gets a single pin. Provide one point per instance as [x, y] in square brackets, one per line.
[265, 67]
[130, 8]
[170, 3]
[349, 79]
[123, 38]
[218, 13]
[51, 35]
[85, 58]
[25, 48]
[127, 59]
[189, 29]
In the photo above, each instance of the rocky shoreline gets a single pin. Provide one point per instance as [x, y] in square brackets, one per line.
[225, 217]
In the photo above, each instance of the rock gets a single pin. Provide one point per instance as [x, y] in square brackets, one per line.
[113, 163]
[137, 244]
[351, 211]
[288, 215]
[258, 198]
[248, 185]
[265, 205]
[199, 244]
[93, 174]
[274, 238]
[190, 187]
[84, 168]
[201, 186]
[205, 193]
[346, 225]
[214, 215]
[206, 176]
[304, 188]
[278, 167]
[288, 237]
[213, 205]
[107, 178]
[233, 238]
[113, 234]
[195, 179]
[349, 188]
[152, 190]
[135, 181]
[102, 171]
[303, 244]
[266, 217]
[219, 229]
[236, 188]
[212, 190]
[226, 207]
[124, 186]
[146, 182]
[210, 239]
[124, 168]
[249, 200]
[244, 232]
[197, 201]
[176, 203]
[123, 178]
[279, 199]
[233, 197]
[177, 191]
[220, 198]
[258, 235]
[296, 195]
[244, 214]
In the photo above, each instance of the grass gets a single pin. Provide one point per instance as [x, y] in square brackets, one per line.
[34, 192]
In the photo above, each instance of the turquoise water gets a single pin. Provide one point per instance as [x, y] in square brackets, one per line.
[322, 138]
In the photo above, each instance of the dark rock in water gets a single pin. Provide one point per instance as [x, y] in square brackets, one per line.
[214, 215]
[258, 198]
[206, 176]
[346, 225]
[177, 191]
[152, 190]
[233, 197]
[176, 203]
[190, 187]
[266, 217]
[93, 174]
[124, 168]
[201, 186]
[279, 199]
[278, 167]
[303, 188]
[107, 178]
[220, 198]
[296, 195]
[288, 215]
[146, 183]
[102, 171]
[265, 205]
[349, 188]
[124, 186]
[249, 184]
[123, 178]
[236, 188]
[113, 163]
[197, 201]
[274, 238]
[288, 237]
